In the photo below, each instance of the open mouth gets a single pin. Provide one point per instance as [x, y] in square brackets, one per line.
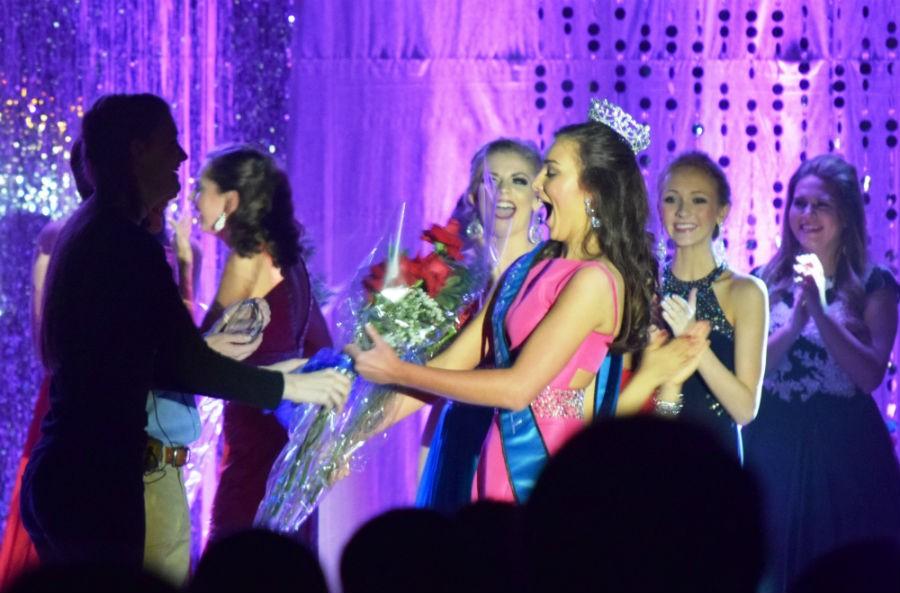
[684, 228]
[809, 229]
[548, 211]
[505, 210]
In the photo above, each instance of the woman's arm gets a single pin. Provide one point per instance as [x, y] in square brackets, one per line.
[781, 340]
[463, 354]
[779, 343]
[38, 276]
[864, 363]
[739, 392]
[580, 308]
[45, 242]
[184, 256]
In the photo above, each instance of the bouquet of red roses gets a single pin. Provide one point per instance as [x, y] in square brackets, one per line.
[434, 270]
[416, 304]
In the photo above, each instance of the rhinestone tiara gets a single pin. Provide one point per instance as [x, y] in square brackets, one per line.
[605, 112]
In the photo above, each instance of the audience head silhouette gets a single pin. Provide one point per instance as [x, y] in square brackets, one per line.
[258, 560]
[401, 550]
[102, 578]
[872, 565]
[644, 504]
[489, 535]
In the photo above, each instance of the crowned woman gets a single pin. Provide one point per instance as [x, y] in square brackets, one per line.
[558, 312]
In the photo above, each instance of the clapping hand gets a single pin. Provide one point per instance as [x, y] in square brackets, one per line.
[675, 360]
[679, 313]
[810, 278]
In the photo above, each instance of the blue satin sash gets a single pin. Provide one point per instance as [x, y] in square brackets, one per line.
[524, 449]
[446, 482]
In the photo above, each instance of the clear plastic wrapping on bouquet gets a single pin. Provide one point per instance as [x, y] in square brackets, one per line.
[417, 304]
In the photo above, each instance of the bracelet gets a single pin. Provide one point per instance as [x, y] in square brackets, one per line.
[667, 408]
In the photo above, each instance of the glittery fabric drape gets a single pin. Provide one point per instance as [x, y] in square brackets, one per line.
[222, 65]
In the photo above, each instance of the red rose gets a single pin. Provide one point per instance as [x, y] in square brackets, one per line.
[466, 314]
[448, 236]
[435, 273]
[410, 270]
[374, 282]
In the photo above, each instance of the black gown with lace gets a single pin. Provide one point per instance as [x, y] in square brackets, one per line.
[821, 450]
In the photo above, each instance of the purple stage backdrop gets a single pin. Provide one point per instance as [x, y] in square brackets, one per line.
[375, 103]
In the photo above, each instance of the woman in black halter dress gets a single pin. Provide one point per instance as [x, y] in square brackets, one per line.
[724, 392]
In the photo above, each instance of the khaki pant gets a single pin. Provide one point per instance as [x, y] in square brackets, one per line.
[167, 546]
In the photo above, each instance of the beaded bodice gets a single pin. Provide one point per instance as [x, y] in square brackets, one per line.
[708, 307]
[559, 403]
[700, 405]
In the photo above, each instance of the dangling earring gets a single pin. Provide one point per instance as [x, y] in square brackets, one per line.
[535, 235]
[662, 252]
[718, 246]
[474, 230]
[219, 224]
[592, 214]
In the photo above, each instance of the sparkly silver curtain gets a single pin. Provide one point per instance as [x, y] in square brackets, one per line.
[222, 65]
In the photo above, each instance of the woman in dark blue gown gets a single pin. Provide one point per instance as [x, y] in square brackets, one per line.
[820, 445]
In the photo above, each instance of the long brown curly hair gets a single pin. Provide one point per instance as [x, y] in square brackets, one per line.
[610, 174]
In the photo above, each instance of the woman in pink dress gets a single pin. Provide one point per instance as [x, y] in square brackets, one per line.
[557, 312]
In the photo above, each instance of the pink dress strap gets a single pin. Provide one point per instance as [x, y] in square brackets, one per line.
[542, 287]
[558, 410]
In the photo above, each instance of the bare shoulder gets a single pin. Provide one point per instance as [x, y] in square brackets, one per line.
[590, 292]
[238, 280]
[747, 285]
[48, 235]
[243, 266]
[747, 291]
[595, 279]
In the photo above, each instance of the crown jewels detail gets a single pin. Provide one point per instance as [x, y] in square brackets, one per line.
[637, 135]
